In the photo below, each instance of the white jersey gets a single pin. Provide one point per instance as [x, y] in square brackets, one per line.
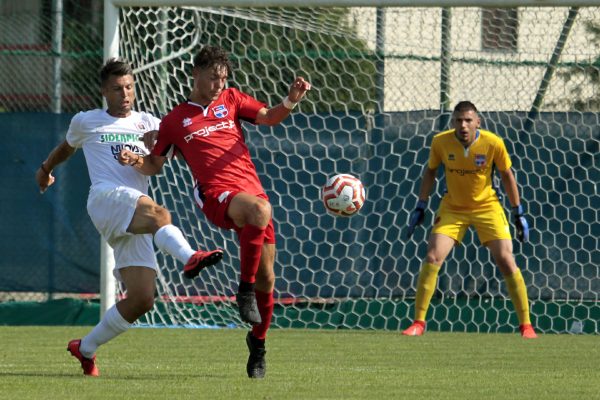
[102, 137]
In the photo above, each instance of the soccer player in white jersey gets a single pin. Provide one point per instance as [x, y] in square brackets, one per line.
[119, 206]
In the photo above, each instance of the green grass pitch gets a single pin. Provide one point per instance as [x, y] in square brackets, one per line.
[302, 364]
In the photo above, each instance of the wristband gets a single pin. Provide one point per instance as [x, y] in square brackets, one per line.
[517, 210]
[44, 169]
[287, 103]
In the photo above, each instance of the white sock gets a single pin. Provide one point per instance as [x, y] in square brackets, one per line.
[170, 240]
[111, 326]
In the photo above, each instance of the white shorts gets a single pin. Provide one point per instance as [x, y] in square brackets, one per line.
[111, 210]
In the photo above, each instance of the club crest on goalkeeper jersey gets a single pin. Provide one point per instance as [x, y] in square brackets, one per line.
[469, 171]
[102, 137]
[211, 140]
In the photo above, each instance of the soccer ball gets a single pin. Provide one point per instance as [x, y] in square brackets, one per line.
[343, 195]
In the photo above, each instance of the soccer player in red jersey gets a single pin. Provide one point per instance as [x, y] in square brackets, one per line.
[206, 131]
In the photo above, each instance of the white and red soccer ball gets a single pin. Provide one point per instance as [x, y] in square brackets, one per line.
[343, 195]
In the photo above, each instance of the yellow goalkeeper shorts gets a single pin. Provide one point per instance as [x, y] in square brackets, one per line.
[490, 224]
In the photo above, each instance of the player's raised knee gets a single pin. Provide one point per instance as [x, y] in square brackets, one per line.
[260, 212]
[161, 215]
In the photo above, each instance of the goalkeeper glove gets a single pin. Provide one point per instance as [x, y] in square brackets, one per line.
[416, 217]
[520, 223]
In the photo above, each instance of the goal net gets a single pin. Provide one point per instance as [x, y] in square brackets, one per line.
[384, 81]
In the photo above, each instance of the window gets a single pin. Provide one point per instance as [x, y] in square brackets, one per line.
[499, 29]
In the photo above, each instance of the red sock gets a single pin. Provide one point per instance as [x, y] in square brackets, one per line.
[251, 242]
[265, 308]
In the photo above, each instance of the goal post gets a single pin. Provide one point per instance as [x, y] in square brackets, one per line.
[385, 76]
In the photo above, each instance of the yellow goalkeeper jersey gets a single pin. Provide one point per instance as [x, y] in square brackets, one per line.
[469, 170]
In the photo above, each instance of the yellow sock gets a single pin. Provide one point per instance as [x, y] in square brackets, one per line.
[518, 294]
[425, 287]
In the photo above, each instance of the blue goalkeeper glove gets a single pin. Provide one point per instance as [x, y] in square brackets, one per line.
[416, 217]
[520, 223]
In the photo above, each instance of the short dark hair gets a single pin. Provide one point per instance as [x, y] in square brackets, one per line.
[115, 67]
[211, 56]
[464, 106]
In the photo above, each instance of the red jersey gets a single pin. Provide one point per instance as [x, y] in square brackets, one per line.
[211, 141]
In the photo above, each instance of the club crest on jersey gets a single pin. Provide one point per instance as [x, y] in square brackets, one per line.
[141, 126]
[450, 157]
[479, 160]
[220, 111]
[186, 122]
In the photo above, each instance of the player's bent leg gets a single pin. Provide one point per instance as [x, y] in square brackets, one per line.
[265, 283]
[149, 217]
[426, 285]
[112, 325]
[252, 238]
[256, 367]
[139, 282]
[502, 253]
[251, 243]
[140, 286]
[252, 215]
[438, 248]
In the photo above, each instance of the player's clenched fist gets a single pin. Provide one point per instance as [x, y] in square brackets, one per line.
[128, 157]
[44, 178]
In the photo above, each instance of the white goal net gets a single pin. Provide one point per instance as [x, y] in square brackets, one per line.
[384, 81]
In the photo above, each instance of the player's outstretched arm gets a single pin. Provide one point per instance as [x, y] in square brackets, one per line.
[61, 153]
[276, 114]
[147, 165]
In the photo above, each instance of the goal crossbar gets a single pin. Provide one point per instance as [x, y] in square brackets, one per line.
[355, 3]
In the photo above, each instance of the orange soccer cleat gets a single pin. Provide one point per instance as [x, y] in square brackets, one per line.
[527, 331]
[416, 329]
[200, 260]
[87, 364]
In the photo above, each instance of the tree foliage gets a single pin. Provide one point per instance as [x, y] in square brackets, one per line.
[583, 75]
[267, 57]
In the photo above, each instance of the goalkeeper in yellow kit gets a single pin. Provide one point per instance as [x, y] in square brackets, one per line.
[469, 156]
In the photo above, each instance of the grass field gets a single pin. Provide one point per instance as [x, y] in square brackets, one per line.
[302, 364]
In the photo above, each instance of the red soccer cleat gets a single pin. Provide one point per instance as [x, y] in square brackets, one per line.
[416, 329]
[527, 331]
[200, 260]
[87, 364]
